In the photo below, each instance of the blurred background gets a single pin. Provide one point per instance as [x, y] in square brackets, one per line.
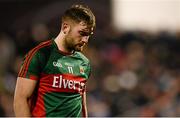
[134, 53]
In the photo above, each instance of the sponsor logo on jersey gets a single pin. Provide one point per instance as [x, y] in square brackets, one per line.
[63, 83]
[57, 64]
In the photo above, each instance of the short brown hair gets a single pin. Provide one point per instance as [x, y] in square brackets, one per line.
[78, 13]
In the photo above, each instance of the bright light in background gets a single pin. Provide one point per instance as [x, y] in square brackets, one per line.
[149, 15]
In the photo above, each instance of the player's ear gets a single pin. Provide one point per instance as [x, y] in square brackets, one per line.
[65, 27]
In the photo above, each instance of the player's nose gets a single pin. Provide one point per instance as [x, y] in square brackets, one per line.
[85, 39]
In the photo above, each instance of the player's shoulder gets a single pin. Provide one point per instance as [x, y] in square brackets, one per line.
[43, 47]
[46, 45]
[40, 50]
[82, 56]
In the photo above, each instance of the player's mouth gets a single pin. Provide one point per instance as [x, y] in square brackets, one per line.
[80, 44]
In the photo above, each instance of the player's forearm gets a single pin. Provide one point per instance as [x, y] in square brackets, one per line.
[84, 107]
[21, 108]
[85, 114]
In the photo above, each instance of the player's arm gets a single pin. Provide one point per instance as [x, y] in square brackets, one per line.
[27, 81]
[84, 105]
[24, 89]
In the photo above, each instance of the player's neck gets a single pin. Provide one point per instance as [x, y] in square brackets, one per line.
[60, 42]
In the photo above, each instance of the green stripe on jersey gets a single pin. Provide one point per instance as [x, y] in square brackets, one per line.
[71, 104]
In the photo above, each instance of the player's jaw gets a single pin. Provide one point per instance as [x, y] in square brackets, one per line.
[75, 45]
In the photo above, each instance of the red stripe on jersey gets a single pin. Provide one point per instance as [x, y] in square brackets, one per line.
[24, 69]
[33, 77]
[39, 109]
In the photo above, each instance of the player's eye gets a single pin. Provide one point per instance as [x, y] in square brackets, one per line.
[84, 33]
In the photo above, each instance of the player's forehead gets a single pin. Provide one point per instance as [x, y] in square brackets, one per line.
[84, 27]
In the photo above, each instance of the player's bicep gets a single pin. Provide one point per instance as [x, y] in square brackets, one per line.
[24, 87]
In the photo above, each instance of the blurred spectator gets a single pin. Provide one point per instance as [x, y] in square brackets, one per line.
[39, 32]
[7, 80]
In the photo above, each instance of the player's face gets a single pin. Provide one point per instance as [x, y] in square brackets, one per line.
[78, 36]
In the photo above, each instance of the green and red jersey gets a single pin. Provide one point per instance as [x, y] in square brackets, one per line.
[61, 80]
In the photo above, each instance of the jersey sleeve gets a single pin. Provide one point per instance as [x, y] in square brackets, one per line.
[31, 66]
